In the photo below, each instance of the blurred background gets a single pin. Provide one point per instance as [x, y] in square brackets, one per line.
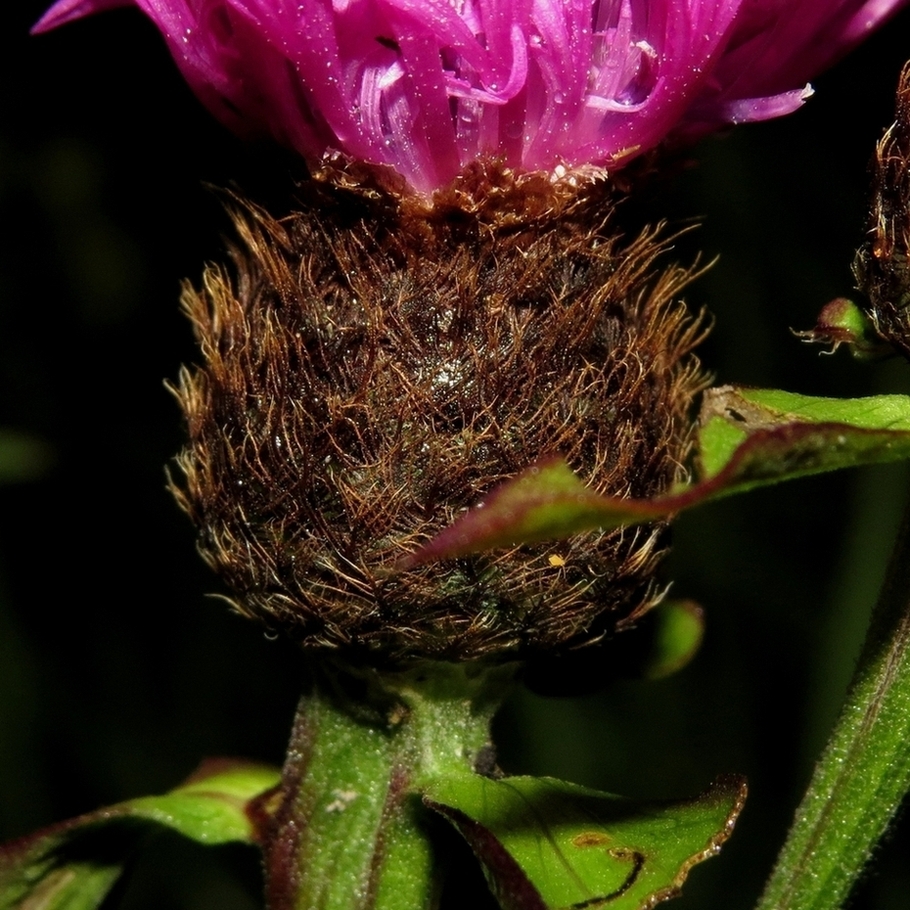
[118, 673]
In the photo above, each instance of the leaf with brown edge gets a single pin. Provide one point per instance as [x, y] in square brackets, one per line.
[748, 438]
[791, 435]
[549, 845]
[546, 502]
[74, 864]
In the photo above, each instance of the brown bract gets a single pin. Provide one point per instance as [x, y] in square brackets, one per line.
[374, 363]
[882, 265]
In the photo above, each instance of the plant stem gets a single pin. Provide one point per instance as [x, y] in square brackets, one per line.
[864, 771]
[348, 829]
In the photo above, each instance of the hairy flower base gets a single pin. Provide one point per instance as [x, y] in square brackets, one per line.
[374, 364]
[882, 265]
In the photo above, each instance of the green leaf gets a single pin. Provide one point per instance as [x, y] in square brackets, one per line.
[862, 777]
[549, 845]
[748, 438]
[767, 435]
[73, 865]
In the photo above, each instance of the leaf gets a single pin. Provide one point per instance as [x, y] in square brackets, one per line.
[549, 845]
[74, 864]
[766, 435]
[546, 502]
[748, 438]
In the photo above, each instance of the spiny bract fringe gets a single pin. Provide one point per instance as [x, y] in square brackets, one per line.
[373, 365]
[882, 265]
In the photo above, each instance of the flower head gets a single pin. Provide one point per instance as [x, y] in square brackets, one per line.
[377, 365]
[427, 86]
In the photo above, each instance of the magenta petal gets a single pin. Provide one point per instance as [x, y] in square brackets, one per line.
[69, 10]
[751, 109]
[426, 86]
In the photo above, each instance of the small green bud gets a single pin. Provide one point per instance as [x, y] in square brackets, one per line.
[842, 322]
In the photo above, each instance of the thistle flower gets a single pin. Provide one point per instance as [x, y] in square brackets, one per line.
[379, 359]
[427, 86]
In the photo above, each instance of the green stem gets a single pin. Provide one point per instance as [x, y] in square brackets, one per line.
[864, 771]
[349, 830]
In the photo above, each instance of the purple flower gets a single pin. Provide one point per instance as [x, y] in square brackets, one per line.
[429, 85]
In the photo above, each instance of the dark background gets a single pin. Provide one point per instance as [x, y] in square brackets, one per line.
[117, 674]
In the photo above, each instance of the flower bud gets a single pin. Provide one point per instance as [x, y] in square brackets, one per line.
[375, 363]
[841, 321]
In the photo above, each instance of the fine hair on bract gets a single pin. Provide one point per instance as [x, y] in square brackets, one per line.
[375, 362]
